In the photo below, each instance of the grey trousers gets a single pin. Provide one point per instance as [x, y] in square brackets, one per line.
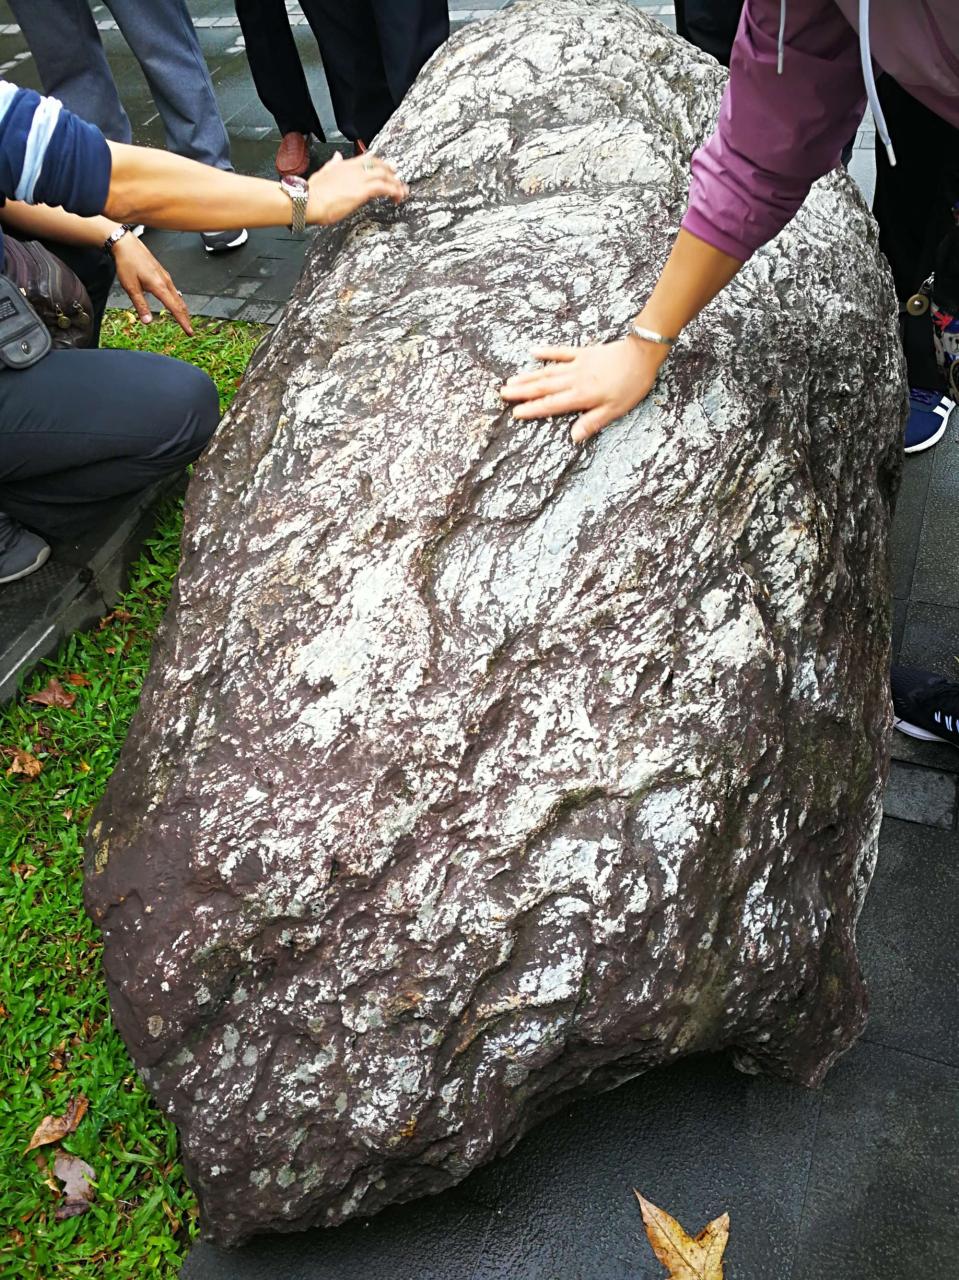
[73, 67]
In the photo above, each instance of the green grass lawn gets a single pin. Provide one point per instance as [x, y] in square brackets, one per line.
[56, 1038]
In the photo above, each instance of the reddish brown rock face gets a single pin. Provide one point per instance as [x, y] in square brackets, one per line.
[476, 770]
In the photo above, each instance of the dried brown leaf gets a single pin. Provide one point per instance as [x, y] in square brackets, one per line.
[54, 695]
[118, 615]
[173, 1220]
[53, 1128]
[686, 1257]
[25, 763]
[79, 681]
[77, 1178]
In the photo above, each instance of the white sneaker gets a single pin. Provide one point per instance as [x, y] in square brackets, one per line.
[221, 241]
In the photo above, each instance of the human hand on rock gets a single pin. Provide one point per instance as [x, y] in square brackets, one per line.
[342, 186]
[140, 273]
[601, 383]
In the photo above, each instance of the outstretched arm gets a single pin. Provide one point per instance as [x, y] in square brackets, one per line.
[776, 135]
[49, 156]
[164, 190]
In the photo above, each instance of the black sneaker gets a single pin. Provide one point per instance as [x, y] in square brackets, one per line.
[925, 705]
[21, 552]
[223, 241]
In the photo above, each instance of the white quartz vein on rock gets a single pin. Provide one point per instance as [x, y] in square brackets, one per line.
[476, 770]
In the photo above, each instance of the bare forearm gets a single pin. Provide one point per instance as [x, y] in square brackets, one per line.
[165, 190]
[693, 275]
[41, 222]
[602, 383]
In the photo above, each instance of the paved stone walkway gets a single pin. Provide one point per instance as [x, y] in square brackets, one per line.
[858, 1181]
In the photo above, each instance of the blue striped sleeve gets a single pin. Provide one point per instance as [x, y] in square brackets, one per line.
[50, 156]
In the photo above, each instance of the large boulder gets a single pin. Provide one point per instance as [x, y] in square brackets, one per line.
[476, 770]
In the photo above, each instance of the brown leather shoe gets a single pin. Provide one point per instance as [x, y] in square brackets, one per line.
[293, 156]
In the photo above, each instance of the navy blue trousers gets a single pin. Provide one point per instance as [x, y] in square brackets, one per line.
[82, 428]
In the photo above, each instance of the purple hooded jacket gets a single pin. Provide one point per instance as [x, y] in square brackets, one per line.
[777, 133]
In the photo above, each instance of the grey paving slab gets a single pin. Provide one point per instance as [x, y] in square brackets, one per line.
[930, 639]
[280, 280]
[936, 579]
[222, 308]
[918, 794]
[908, 520]
[899, 608]
[908, 943]
[884, 1185]
[698, 1137]
[197, 304]
[932, 755]
[254, 312]
[438, 1239]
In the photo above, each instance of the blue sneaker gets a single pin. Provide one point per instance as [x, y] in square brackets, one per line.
[929, 414]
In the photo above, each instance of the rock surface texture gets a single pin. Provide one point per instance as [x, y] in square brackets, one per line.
[477, 770]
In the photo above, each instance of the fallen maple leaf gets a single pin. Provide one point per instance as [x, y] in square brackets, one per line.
[686, 1257]
[77, 1177]
[54, 695]
[53, 1128]
[25, 763]
[80, 682]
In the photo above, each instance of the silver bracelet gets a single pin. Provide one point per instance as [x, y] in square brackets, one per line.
[115, 237]
[650, 335]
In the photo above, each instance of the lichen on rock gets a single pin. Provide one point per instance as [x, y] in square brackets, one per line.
[476, 770]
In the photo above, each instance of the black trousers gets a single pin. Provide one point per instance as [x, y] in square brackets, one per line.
[372, 51]
[913, 207]
[81, 428]
[710, 25]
